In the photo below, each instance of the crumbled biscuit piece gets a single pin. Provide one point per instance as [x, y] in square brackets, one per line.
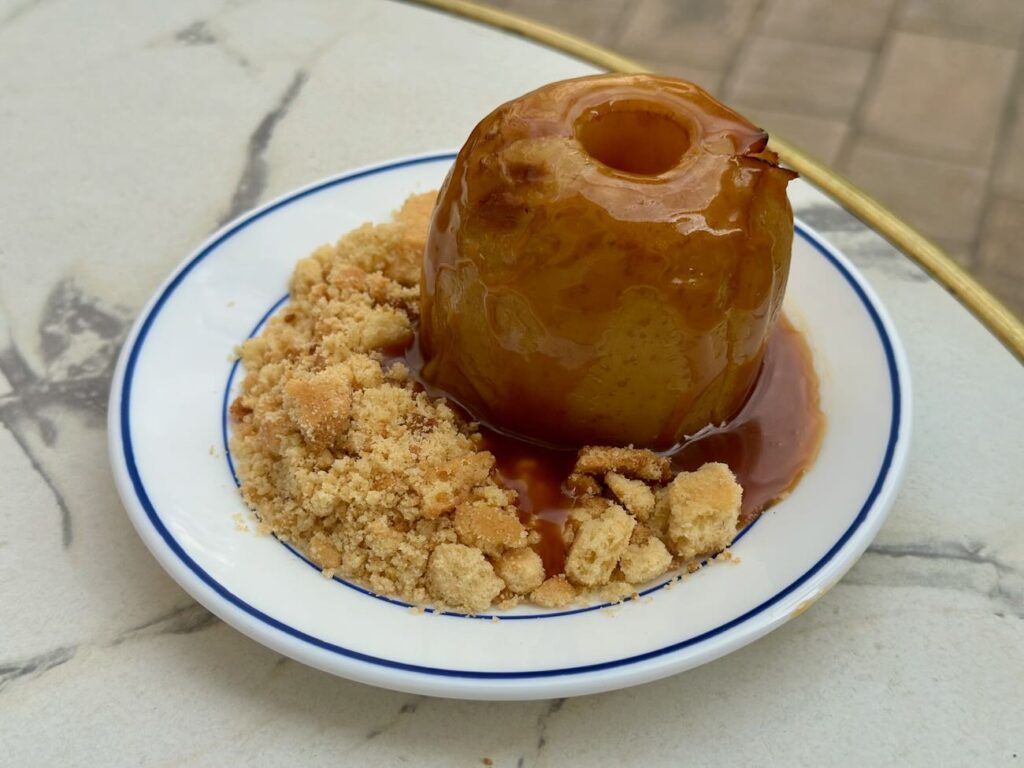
[631, 462]
[642, 562]
[395, 250]
[382, 327]
[521, 569]
[700, 511]
[506, 601]
[586, 508]
[641, 533]
[338, 452]
[307, 273]
[449, 484]
[616, 591]
[320, 404]
[488, 528]
[555, 592]
[598, 545]
[323, 552]
[635, 495]
[364, 372]
[415, 215]
[238, 410]
[460, 577]
[582, 485]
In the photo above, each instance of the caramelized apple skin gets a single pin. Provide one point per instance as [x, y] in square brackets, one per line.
[573, 302]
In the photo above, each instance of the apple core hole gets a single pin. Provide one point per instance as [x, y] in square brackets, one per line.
[633, 139]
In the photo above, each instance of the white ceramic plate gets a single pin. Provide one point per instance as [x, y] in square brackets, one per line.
[168, 450]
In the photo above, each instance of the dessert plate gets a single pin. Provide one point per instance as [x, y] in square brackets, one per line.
[168, 432]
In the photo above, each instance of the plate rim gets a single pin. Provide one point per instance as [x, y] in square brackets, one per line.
[489, 684]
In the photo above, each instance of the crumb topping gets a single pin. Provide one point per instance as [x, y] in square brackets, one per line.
[340, 454]
[631, 462]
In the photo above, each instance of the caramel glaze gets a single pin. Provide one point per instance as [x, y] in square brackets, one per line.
[606, 262]
[769, 444]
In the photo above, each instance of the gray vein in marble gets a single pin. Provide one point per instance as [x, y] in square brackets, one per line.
[202, 33]
[971, 552]
[184, 620]
[408, 708]
[543, 719]
[253, 179]
[964, 567]
[58, 497]
[18, 11]
[196, 33]
[79, 340]
[34, 665]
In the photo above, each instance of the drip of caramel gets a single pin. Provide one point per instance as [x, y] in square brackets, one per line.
[768, 445]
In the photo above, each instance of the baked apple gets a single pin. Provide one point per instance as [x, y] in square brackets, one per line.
[605, 262]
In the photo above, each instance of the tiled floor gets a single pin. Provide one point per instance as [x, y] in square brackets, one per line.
[920, 102]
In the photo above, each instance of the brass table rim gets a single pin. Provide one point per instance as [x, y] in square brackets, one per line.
[992, 313]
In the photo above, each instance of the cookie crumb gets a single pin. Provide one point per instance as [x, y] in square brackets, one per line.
[630, 462]
[341, 455]
[460, 577]
[555, 592]
[700, 510]
[635, 495]
[597, 547]
[521, 569]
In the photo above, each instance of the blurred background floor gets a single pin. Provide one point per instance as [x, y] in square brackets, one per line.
[920, 102]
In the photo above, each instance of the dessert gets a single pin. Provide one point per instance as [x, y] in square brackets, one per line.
[372, 432]
[606, 262]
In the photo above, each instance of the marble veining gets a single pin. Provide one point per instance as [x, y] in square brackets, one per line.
[19, 10]
[185, 620]
[920, 642]
[253, 180]
[79, 339]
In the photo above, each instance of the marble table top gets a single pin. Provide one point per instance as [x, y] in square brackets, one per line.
[128, 133]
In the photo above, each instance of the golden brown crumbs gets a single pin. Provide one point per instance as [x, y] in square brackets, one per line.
[488, 528]
[698, 511]
[555, 592]
[504, 603]
[597, 547]
[642, 562]
[461, 577]
[521, 569]
[631, 462]
[727, 556]
[341, 456]
[635, 495]
[616, 592]
[582, 485]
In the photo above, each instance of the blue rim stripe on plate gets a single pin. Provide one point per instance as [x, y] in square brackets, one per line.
[175, 547]
[226, 443]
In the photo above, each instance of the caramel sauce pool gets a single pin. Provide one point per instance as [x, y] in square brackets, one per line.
[768, 445]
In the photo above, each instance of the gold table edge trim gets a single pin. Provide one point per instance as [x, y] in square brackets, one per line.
[1003, 324]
